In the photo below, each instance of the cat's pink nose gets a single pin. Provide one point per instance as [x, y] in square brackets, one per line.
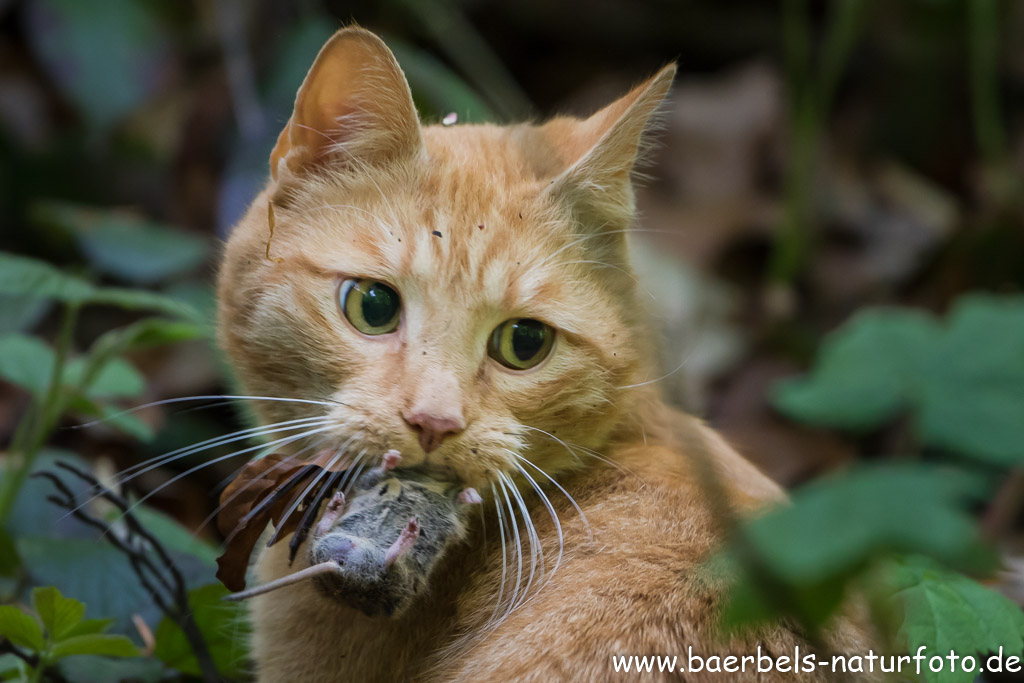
[433, 429]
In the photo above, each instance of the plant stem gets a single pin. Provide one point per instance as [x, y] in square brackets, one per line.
[41, 420]
[1005, 507]
[843, 30]
[456, 37]
[811, 92]
[37, 672]
[983, 40]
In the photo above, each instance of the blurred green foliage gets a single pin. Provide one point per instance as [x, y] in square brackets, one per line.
[960, 379]
[57, 630]
[899, 531]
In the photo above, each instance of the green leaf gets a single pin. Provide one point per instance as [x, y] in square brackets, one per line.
[33, 515]
[149, 332]
[137, 299]
[944, 611]
[107, 56]
[102, 644]
[92, 571]
[223, 625]
[961, 381]
[114, 417]
[174, 537]
[838, 526]
[117, 379]
[26, 362]
[90, 669]
[972, 395]
[9, 561]
[58, 614]
[865, 372]
[20, 628]
[28, 277]
[21, 313]
[12, 668]
[23, 276]
[200, 297]
[872, 509]
[124, 245]
[88, 627]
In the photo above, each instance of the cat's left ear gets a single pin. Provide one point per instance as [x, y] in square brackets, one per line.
[354, 107]
[601, 151]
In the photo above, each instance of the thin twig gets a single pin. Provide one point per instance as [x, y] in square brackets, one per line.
[1005, 507]
[169, 591]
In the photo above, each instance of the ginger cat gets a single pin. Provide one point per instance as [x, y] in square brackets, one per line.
[463, 294]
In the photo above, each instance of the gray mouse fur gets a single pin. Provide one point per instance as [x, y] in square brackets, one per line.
[387, 537]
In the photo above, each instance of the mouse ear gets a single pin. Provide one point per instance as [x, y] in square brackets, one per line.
[469, 496]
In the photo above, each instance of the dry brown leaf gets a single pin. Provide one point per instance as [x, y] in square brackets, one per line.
[261, 494]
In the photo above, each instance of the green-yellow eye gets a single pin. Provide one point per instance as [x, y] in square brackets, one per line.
[521, 343]
[372, 307]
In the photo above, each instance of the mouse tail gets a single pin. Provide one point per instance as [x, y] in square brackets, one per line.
[328, 567]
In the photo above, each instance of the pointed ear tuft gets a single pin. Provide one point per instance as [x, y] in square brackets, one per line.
[600, 152]
[353, 107]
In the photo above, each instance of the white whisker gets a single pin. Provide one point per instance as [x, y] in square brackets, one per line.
[518, 548]
[165, 459]
[571, 447]
[302, 496]
[565, 493]
[568, 245]
[549, 434]
[286, 461]
[658, 379]
[267, 448]
[554, 518]
[354, 472]
[504, 556]
[208, 397]
[241, 435]
[536, 552]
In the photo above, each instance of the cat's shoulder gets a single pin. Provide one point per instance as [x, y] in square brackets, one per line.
[687, 457]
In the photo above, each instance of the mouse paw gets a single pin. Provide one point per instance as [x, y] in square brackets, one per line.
[390, 460]
[405, 542]
[335, 507]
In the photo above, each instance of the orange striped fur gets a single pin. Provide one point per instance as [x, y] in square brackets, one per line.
[532, 222]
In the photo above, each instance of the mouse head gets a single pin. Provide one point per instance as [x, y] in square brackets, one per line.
[386, 537]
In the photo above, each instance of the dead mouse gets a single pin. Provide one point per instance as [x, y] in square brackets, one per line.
[375, 548]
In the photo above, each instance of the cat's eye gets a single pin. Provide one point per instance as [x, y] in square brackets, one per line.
[521, 343]
[372, 307]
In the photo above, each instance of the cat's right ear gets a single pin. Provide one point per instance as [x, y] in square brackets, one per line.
[354, 108]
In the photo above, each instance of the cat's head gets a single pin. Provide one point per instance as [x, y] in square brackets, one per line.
[459, 293]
